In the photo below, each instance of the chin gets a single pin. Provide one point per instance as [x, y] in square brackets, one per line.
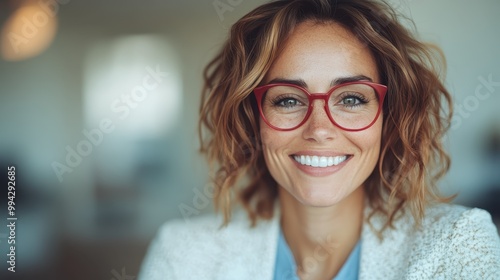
[319, 199]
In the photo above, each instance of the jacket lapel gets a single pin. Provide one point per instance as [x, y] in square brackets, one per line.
[387, 258]
[252, 252]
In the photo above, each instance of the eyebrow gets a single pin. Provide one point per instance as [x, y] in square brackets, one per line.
[338, 81]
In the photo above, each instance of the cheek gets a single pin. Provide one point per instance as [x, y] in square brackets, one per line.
[275, 145]
[266, 137]
[268, 142]
[372, 140]
[369, 143]
[270, 152]
[271, 139]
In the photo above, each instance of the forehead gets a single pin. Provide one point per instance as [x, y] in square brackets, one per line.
[321, 52]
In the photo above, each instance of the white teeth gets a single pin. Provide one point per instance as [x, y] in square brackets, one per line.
[316, 161]
[323, 161]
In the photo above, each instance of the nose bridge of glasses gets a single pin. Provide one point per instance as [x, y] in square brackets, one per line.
[318, 107]
[319, 123]
[318, 98]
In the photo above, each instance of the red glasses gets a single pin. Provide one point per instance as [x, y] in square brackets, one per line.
[352, 106]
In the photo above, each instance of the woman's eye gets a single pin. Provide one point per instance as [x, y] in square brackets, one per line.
[288, 102]
[352, 101]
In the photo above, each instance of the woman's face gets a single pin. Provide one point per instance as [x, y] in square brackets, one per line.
[319, 55]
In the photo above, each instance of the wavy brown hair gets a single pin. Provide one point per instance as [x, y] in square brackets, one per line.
[417, 109]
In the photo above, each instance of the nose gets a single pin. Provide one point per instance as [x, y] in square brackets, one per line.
[318, 127]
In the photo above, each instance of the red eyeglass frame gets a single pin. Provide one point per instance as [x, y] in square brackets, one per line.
[380, 89]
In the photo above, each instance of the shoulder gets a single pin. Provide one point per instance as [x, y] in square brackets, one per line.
[209, 230]
[453, 242]
[200, 233]
[184, 247]
[453, 223]
[441, 217]
[459, 241]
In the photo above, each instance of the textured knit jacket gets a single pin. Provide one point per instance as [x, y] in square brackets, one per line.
[453, 242]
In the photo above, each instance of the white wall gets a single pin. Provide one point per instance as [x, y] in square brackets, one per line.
[468, 33]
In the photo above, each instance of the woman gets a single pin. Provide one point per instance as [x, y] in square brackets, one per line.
[334, 114]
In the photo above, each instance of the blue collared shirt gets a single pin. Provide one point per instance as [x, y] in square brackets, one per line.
[286, 268]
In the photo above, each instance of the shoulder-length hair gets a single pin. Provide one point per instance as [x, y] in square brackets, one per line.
[417, 110]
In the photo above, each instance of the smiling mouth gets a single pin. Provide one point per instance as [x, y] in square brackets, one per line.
[320, 161]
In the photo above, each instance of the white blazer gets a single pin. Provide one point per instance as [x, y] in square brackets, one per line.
[454, 242]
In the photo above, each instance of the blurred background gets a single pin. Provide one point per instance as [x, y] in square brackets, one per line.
[98, 113]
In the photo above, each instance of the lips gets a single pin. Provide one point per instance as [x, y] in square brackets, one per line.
[320, 161]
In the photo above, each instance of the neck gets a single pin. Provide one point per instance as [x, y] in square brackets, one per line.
[327, 234]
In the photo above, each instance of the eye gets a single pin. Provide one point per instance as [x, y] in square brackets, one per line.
[288, 102]
[351, 100]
